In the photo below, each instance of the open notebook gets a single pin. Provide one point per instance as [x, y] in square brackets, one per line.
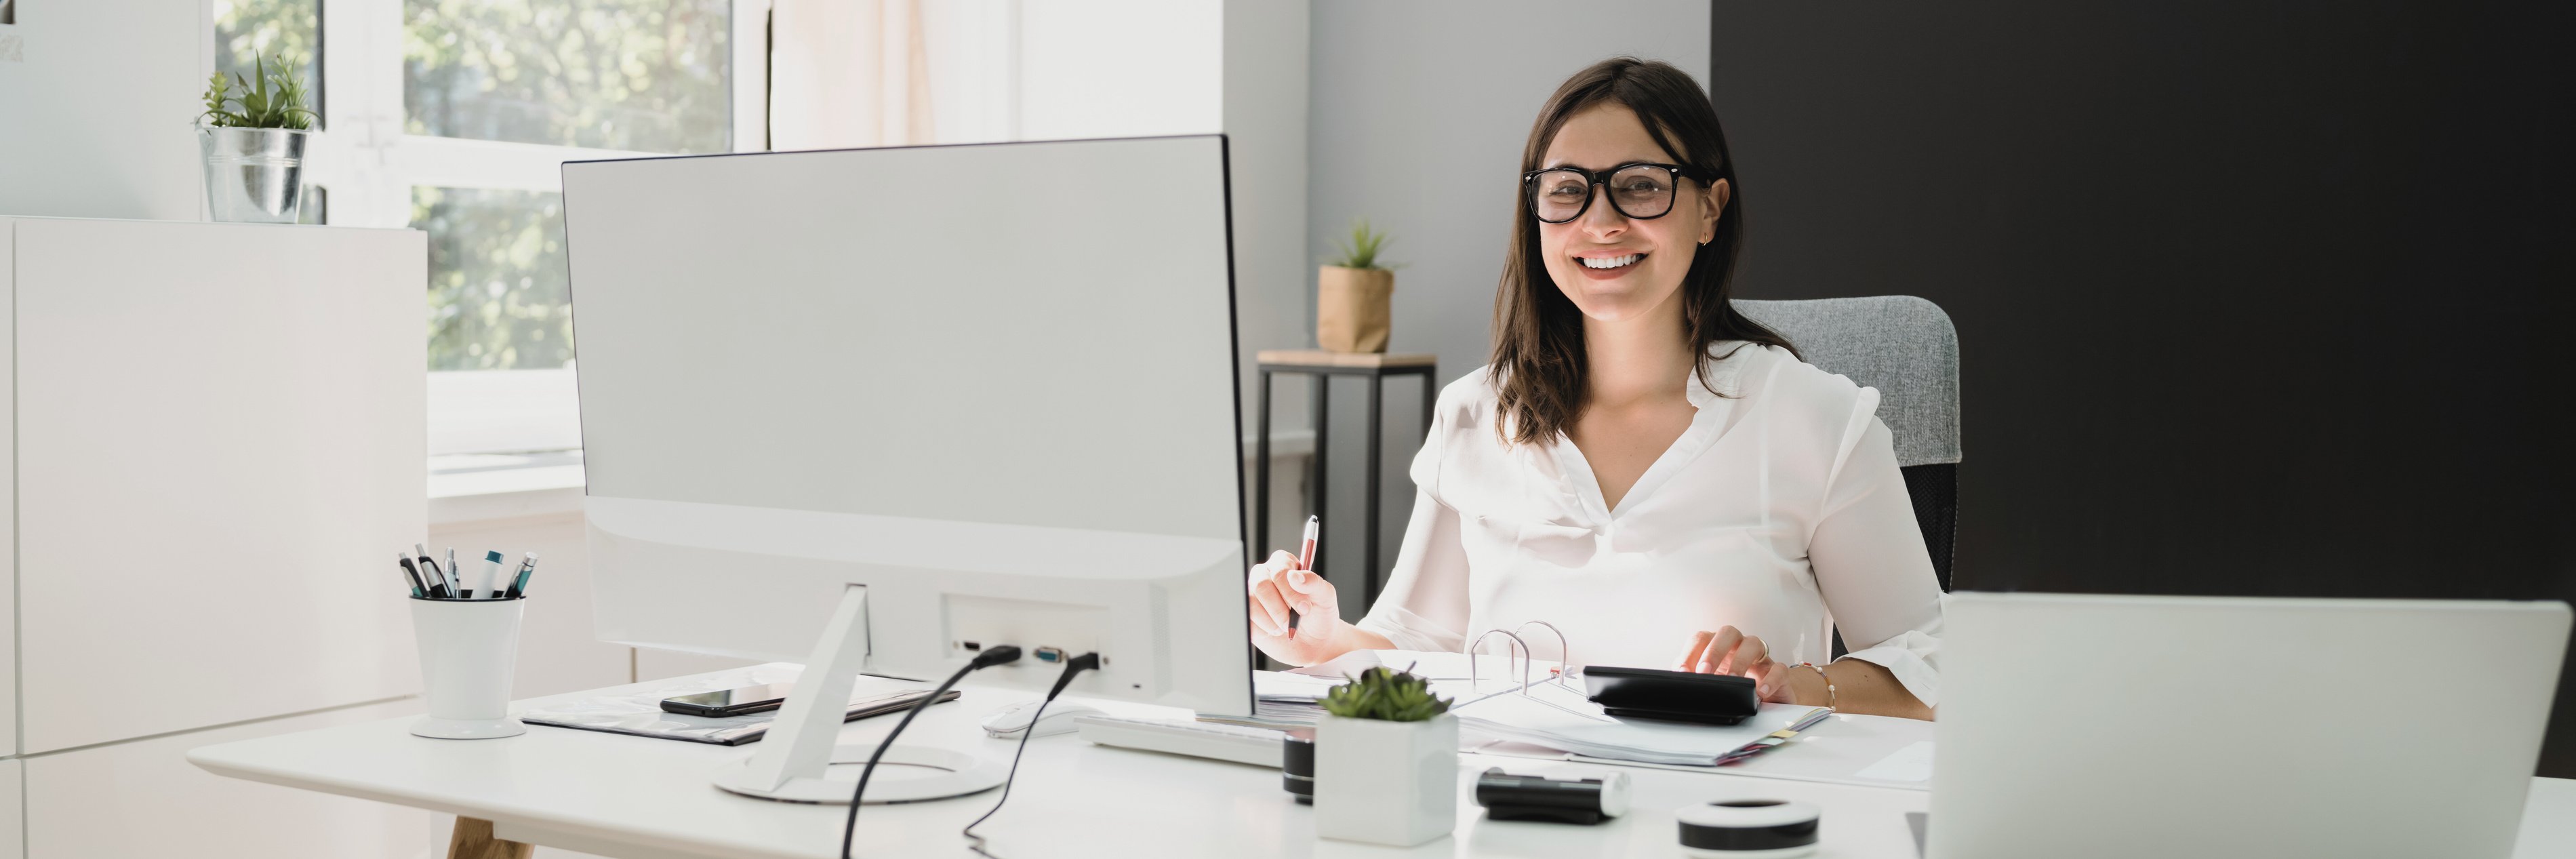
[1558, 717]
[1489, 699]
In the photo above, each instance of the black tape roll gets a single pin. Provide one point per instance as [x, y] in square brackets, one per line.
[1748, 827]
[1297, 766]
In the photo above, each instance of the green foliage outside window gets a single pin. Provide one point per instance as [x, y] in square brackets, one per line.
[640, 75]
[643, 75]
[498, 294]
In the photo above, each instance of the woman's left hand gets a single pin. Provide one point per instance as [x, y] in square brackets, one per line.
[1730, 651]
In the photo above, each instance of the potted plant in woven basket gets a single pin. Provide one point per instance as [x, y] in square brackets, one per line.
[1386, 761]
[252, 134]
[1353, 296]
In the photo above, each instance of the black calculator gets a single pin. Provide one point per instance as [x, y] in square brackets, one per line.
[1672, 696]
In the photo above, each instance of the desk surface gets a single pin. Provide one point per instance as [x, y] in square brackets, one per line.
[644, 798]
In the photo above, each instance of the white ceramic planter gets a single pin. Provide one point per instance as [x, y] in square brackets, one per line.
[1393, 783]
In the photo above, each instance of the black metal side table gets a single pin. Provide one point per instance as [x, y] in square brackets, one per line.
[1324, 366]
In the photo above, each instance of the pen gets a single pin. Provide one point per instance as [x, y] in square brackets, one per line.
[491, 582]
[519, 583]
[410, 574]
[456, 575]
[439, 586]
[1775, 738]
[1305, 561]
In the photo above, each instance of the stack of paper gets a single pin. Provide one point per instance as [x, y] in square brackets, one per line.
[1288, 699]
[1551, 714]
[1559, 718]
[1494, 670]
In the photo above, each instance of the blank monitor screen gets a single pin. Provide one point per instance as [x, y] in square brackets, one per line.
[815, 334]
[907, 367]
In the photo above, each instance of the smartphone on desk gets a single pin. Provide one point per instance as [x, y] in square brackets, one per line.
[730, 702]
[764, 698]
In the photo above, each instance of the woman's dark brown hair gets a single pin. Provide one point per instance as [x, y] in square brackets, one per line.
[1541, 369]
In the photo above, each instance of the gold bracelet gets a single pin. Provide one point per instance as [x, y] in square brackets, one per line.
[1829, 682]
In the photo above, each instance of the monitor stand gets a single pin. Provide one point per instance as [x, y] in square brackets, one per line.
[798, 762]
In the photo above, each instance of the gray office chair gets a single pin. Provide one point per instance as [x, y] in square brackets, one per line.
[1903, 346]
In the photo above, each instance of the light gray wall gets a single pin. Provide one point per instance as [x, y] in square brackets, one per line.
[95, 107]
[1417, 114]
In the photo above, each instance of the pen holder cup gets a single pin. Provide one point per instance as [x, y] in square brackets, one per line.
[467, 649]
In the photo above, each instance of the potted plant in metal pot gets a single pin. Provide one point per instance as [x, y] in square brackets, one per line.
[253, 134]
[1354, 296]
[1386, 761]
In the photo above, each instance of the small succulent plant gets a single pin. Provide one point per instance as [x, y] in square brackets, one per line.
[274, 100]
[1387, 695]
[1361, 250]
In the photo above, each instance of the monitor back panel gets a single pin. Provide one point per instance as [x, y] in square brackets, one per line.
[2118, 726]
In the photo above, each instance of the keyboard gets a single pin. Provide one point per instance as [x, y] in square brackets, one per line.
[1243, 745]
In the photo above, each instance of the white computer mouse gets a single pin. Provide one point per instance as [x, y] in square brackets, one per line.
[1010, 721]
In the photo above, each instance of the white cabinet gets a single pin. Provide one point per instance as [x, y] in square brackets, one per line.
[143, 799]
[219, 441]
[8, 523]
[13, 829]
[215, 437]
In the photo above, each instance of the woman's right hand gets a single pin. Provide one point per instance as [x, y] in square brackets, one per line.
[1276, 587]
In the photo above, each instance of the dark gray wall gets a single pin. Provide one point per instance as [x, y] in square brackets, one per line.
[2253, 298]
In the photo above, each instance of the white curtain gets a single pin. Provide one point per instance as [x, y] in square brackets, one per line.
[848, 73]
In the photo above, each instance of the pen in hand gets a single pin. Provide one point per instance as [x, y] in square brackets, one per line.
[1305, 561]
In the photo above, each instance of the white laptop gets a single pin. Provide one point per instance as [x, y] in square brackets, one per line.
[2207, 727]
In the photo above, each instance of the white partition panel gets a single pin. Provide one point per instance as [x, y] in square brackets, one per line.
[220, 433]
[13, 821]
[143, 799]
[115, 81]
[8, 505]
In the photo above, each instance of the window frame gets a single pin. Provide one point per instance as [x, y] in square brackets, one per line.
[370, 165]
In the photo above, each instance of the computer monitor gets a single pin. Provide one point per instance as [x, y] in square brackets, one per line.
[993, 385]
[2154, 726]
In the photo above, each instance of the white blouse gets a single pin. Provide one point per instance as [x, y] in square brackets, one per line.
[1780, 512]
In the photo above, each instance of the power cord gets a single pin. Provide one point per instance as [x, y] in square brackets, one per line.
[1076, 665]
[992, 656]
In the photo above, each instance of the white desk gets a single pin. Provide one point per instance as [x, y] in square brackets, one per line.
[650, 799]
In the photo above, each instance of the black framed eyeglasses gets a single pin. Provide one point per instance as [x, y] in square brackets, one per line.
[1638, 190]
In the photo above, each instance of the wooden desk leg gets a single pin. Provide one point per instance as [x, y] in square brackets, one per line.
[473, 840]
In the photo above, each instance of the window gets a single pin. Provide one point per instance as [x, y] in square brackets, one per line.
[497, 282]
[639, 75]
[454, 117]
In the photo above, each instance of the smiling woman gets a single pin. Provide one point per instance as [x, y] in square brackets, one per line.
[1632, 111]
[1656, 476]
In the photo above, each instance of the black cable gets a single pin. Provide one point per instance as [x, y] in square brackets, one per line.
[1076, 665]
[995, 655]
